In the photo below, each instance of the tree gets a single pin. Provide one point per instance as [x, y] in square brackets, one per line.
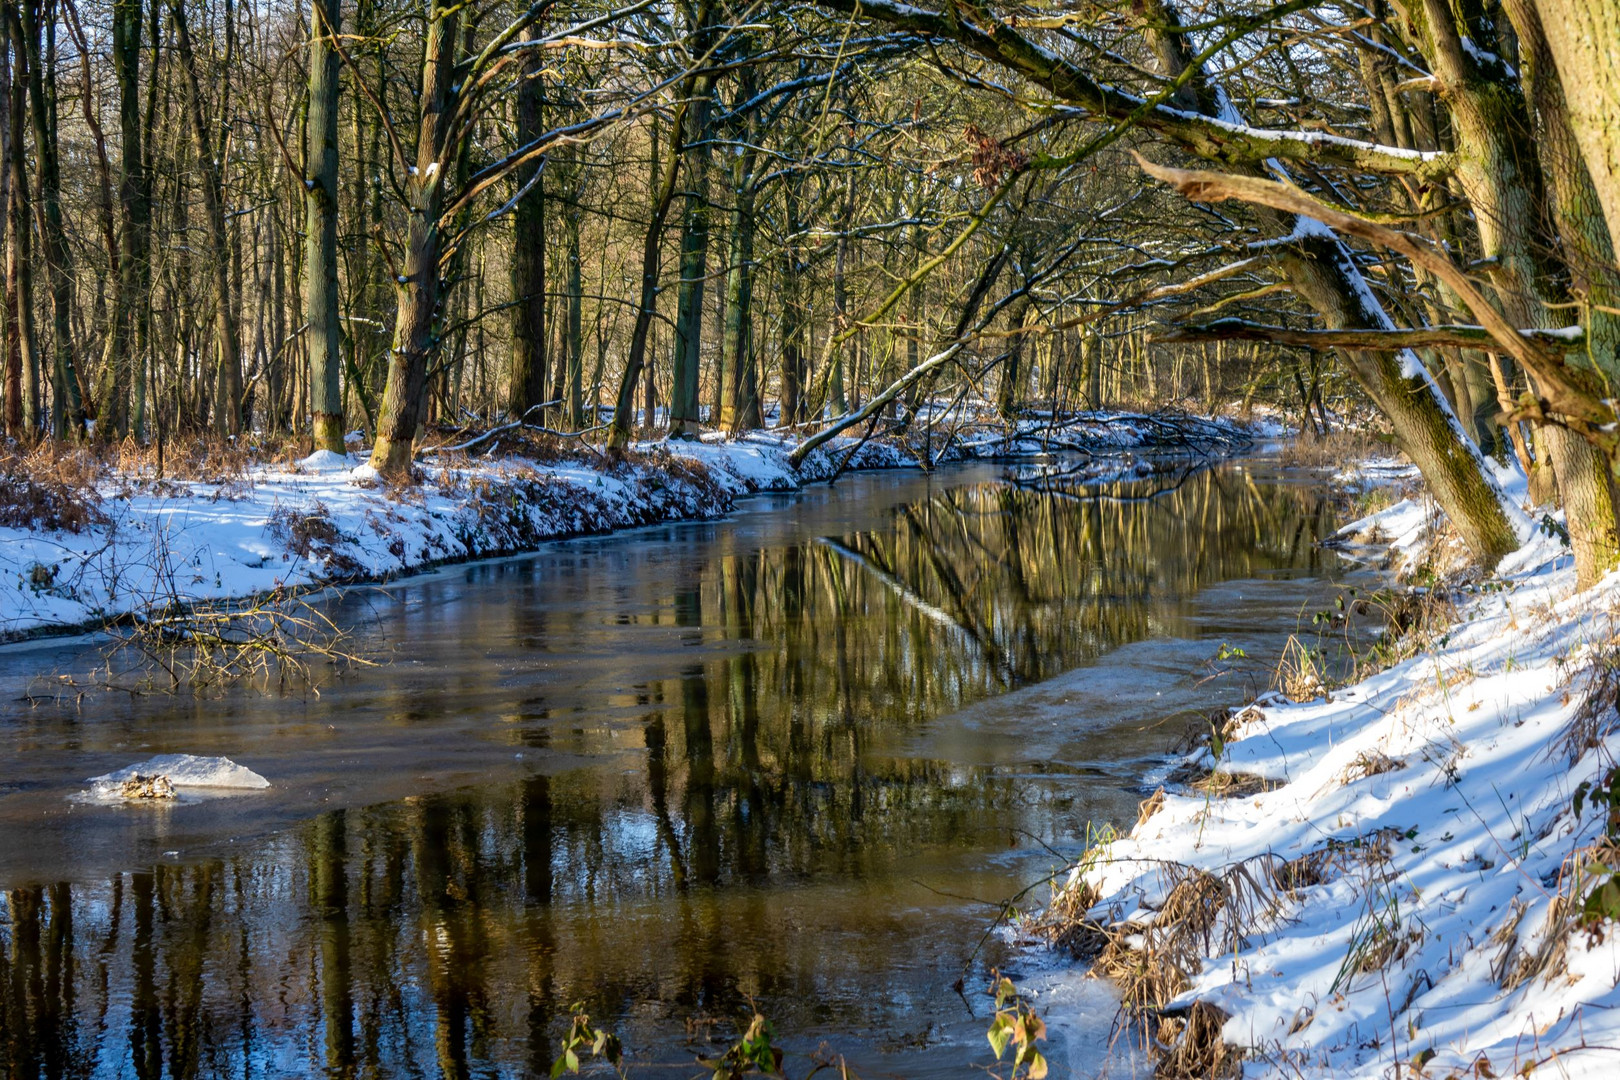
[321, 230]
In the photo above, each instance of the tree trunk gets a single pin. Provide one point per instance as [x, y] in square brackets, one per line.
[684, 373]
[741, 411]
[416, 292]
[1581, 35]
[1321, 271]
[790, 405]
[574, 339]
[527, 387]
[227, 334]
[841, 318]
[625, 404]
[22, 347]
[1009, 391]
[39, 34]
[1588, 493]
[324, 333]
[134, 315]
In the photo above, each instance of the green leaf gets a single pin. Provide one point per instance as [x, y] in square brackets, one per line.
[1603, 902]
[1037, 1066]
[999, 1034]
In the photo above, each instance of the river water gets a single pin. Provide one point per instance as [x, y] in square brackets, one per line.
[792, 760]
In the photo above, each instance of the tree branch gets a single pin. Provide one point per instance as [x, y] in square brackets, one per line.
[1428, 337]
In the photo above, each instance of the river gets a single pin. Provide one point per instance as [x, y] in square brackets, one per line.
[792, 760]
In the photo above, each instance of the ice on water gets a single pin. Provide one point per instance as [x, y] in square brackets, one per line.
[218, 775]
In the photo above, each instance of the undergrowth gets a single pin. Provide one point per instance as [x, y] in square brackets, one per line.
[1338, 449]
[50, 489]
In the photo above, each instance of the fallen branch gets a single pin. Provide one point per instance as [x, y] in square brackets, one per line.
[490, 434]
[894, 390]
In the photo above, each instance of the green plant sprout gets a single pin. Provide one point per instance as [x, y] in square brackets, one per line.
[582, 1038]
[1015, 1025]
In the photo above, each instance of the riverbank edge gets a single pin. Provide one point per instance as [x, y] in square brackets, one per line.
[276, 531]
[1388, 877]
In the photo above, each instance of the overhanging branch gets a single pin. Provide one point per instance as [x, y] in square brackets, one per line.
[1428, 337]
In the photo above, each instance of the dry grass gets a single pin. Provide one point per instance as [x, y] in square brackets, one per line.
[1415, 620]
[1518, 965]
[58, 487]
[1153, 960]
[312, 535]
[50, 488]
[1149, 806]
[1300, 674]
[1369, 763]
[1598, 716]
[1339, 449]
[1189, 1046]
[1222, 784]
[205, 459]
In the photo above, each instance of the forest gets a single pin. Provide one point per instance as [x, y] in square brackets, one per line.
[235, 218]
[639, 532]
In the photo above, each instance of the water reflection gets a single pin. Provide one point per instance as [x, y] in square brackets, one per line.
[736, 784]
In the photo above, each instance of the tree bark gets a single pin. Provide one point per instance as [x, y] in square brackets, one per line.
[39, 34]
[417, 289]
[574, 310]
[22, 348]
[324, 333]
[741, 411]
[527, 387]
[624, 406]
[687, 363]
[227, 333]
[790, 399]
[134, 316]
[1581, 36]
[1009, 391]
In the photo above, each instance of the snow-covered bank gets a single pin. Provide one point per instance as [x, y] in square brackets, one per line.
[1389, 880]
[142, 542]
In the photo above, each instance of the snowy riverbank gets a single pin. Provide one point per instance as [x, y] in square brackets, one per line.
[1388, 879]
[143, 542]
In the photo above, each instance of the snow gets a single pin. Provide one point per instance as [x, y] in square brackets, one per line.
[188, 770]
[330, 518]
[190, 779]
[1436, 797]
[324, 461]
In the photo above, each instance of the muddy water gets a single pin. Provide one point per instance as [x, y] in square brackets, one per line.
[794, 758]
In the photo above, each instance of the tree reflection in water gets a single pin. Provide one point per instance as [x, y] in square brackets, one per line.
[765, 847]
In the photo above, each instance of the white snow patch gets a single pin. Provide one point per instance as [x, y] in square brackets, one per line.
[325, 461]
[1443, 793]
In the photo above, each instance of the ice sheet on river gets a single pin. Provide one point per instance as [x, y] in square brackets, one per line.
[217, 775]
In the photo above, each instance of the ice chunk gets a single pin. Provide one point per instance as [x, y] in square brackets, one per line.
[188, 770]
